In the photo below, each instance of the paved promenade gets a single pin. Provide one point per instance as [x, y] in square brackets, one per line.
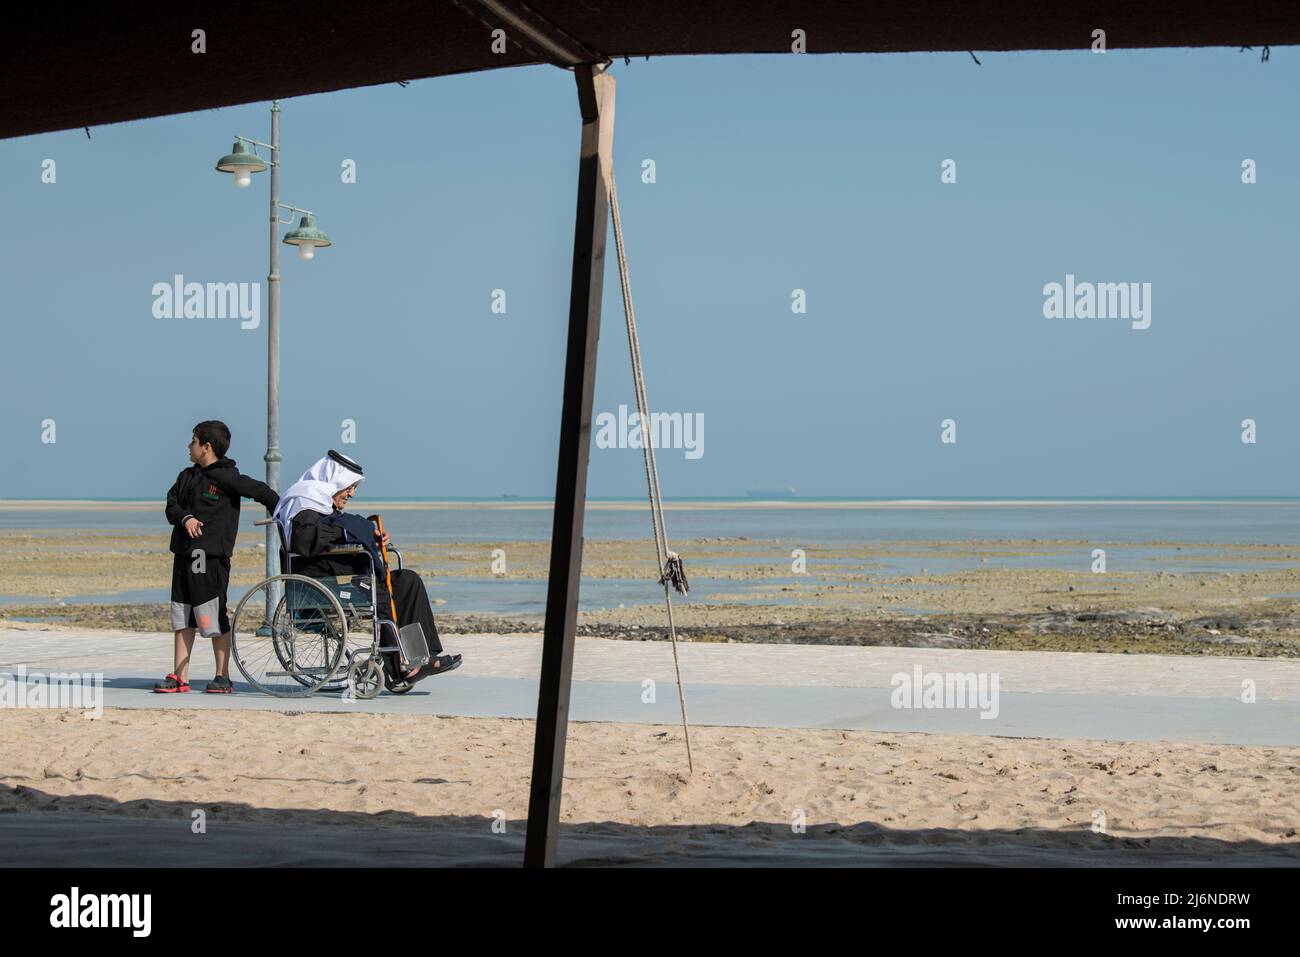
[1038, 694]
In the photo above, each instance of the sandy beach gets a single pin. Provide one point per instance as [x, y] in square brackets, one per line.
[776, 794]
[992, 797]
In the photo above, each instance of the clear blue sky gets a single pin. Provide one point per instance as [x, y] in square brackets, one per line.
[773, 173]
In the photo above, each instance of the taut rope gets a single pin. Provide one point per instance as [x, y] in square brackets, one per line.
[670, 563]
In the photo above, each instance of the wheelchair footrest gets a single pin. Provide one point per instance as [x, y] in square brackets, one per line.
[415, 648]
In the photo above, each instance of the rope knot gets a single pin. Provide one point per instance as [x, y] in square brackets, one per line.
[675, 574]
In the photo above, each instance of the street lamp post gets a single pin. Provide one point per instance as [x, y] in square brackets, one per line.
[243, 163]
[273, 350]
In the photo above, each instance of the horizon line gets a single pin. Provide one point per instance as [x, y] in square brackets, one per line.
[530, 502]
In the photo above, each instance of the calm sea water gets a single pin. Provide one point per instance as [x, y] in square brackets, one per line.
[1228, 521]
[1223, 522]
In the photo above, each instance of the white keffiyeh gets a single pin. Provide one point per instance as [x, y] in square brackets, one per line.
[315, 491]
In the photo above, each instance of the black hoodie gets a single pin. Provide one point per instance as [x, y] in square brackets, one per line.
[211, 494]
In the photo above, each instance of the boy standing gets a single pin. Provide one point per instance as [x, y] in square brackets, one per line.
[203, 508]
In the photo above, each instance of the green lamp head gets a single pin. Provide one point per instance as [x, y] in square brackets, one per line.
[307, 237]
[242, 163]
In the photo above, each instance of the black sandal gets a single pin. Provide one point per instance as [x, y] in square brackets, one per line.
[171, 685]
[445, 663]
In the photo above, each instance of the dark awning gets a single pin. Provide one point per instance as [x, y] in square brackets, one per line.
[106, 63]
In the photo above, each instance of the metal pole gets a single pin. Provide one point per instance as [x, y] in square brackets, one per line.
[273, 352]
[596, 101]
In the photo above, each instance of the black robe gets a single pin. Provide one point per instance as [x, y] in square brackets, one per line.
[309, 537]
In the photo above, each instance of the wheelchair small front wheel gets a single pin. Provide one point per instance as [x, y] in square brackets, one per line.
[365, 678]
[300, 647]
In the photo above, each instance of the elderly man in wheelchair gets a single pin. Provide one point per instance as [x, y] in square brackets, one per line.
[338, 584]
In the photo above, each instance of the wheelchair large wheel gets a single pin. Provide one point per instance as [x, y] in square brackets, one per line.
[357, 645]
[303, 646]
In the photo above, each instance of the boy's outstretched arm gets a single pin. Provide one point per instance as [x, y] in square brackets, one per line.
[260, 492]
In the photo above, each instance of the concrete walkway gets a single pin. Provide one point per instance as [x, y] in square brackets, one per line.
[1038, 694]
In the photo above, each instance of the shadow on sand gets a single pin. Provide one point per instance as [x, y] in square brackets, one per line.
[38, 829]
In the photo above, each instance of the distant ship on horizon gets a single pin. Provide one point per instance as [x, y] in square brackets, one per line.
[769, 493]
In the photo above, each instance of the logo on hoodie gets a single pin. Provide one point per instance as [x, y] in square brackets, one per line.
[212, 495]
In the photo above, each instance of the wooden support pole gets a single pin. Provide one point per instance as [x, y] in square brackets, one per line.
[596, 101]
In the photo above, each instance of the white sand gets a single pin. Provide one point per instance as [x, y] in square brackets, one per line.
[889, 795]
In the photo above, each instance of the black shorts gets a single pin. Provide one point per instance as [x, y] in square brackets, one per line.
[199, 597]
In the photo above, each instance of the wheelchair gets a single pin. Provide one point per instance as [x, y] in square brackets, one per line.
[293, 635]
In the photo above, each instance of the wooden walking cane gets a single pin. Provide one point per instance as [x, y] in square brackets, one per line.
[388, 569]
[392, 602]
